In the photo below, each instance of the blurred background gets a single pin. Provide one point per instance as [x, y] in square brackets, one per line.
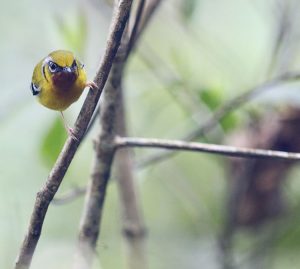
[200, 210]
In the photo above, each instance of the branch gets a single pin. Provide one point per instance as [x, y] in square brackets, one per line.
[150, 8]
[203, 147]
[92, 213]
[131, 42]
[105, 150]
[220, 113]
[132, 219]
[46, 194]
[69, 196]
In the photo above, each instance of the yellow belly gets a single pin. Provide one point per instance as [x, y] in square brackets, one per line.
[60, 99]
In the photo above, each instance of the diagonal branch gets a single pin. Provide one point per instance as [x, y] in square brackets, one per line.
[69, 196]
[144, 13]
[179, 145]
[131, 42]
[220, 113]
[46, 194]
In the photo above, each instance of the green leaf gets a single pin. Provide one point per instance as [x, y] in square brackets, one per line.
[229, 122]
[53, 142]
[213, 98]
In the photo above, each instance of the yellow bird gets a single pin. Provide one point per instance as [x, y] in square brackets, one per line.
[58, 80]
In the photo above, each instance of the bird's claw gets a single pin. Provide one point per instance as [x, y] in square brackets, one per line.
[71, 133]
[92, 85]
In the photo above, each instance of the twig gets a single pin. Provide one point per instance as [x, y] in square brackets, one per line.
[209, 148]
[46, 194]
[69, 196]
[149, 9]
[133, 35]
[179, 145]
[220, 113]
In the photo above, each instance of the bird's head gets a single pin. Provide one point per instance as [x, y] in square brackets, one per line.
[62, 68]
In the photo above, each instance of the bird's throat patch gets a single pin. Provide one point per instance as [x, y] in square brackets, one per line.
[64, 80]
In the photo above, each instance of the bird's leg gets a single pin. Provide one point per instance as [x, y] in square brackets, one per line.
[69, 130]
[92, 85]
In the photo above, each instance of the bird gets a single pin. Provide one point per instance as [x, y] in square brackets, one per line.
[58, 80]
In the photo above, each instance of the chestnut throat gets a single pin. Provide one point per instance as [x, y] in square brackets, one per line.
[64, 80]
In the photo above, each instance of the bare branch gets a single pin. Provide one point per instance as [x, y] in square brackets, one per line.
[69, 196]
[92, 214]
[149, 10]
[144, 13]
[132, 220]
[131, 42]
[179, 145]
[220, 113]
[105, 149]
[46, 194]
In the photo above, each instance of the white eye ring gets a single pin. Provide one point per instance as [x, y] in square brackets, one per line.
[53, 67]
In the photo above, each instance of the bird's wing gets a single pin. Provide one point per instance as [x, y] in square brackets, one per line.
[37, 79]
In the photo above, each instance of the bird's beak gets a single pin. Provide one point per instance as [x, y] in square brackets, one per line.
[67, 69]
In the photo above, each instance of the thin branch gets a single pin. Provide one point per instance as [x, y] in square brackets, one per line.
[150, 8]
[105, 150]
[69, 196]
[144, 13]
[46, 194]
[220, 113]
[179, 145]
[132, 219]
[92, 214]
[133, 35]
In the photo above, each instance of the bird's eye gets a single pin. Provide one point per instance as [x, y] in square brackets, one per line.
[53, 67]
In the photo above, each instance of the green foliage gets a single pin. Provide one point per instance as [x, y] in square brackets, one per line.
[53, 142]
[73, 31]
[213, 98]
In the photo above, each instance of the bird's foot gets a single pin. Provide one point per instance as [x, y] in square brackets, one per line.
[71, 133]
[92, 85]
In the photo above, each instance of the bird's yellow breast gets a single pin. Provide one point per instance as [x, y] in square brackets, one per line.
[57, 96]
[60, 99]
